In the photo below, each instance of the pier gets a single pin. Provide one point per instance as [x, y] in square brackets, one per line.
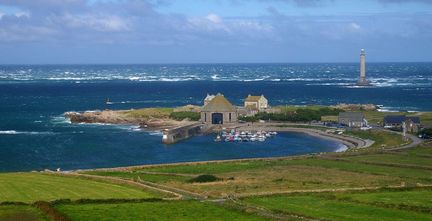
[174, 135]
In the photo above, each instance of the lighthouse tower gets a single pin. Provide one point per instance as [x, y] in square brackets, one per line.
[362, 81]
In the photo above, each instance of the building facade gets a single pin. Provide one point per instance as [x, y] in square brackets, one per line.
[219, 111]
[256, 102]
[412, 124]
[352, 119]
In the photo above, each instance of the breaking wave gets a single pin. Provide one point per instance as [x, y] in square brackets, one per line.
[14, 132]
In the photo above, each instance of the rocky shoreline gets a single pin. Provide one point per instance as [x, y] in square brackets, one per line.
[120, 117]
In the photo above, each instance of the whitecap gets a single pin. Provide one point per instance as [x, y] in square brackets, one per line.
[60, 120]
[14, 132]
[155, 133]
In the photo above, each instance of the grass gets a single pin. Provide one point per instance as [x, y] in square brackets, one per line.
[416, 197]
[329, 118]
[30, 187]
[282, 175]
[329, 209]
[165, 210]
[136, 175]
[147, 113]
[314, 162]
[21, 213]
[394, 159]
[382, 139]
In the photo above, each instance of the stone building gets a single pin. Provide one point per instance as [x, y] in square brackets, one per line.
[256, 102]
[219, 111]
[395, 121]
[352, 119]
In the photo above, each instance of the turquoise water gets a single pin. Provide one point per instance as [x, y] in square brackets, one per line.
[34, 135]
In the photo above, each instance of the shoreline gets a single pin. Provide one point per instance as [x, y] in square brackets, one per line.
[347, 141]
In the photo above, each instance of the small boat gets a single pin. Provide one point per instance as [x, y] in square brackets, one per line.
[218, 138]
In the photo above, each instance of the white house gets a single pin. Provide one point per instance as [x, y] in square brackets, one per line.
[256, 102]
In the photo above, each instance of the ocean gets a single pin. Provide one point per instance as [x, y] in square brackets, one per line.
[34, 135]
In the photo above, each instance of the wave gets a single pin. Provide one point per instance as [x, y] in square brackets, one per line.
[60, 120]
[341, 148]
[155, 133]
[14, 132]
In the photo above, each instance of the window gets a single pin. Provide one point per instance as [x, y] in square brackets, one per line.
[205, 117]
[229, 116]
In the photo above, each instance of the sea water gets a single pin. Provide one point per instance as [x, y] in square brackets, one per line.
[34, 135]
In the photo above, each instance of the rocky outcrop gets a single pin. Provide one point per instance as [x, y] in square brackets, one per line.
[356, 107]
[119, 117]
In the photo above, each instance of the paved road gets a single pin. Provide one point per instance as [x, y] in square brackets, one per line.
[415, 141]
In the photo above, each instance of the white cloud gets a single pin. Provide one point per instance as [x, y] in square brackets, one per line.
[105, 23]
[22, 14]
[214, 18]
[354, 26]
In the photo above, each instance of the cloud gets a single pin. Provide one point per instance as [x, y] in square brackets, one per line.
[405, 1]
[354, 26]
[140, 25]
[105, 23]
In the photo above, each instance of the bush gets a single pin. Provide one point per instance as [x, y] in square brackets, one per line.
[204, 179]
[185, 115]
[248, 118]
[300, 115]
[426, 131]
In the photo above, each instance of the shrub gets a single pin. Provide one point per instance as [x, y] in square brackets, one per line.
[204, 179]
[248, 118]
[300, 115]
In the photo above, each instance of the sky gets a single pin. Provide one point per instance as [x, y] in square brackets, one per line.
[213, 31]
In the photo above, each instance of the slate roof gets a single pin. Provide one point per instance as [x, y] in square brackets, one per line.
[352, 116]
[219, 104]
[398, 119]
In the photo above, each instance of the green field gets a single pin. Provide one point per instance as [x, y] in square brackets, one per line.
[394, 159]
[137, 175]
[382, 139]
[368, 185]
[21, 213]
[415, 197]
[30, 187]
[333, 209]
[157, 211]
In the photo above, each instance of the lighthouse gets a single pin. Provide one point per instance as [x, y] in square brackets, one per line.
[362, 81]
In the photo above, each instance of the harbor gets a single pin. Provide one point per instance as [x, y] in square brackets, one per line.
[243, 136]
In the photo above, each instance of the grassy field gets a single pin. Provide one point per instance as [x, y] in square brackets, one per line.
[30, 187]
[285, 175]
[158, 211]
[147, 113]
[415, 197]
[342, 170]
[21, 213]
[394, 159]
[137, 175]
[277, 185]
[332, 209]
[382, 139]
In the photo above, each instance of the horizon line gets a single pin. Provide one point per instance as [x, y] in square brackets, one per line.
[207, 63]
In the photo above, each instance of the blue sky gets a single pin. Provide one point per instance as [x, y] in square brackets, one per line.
[209, 31]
